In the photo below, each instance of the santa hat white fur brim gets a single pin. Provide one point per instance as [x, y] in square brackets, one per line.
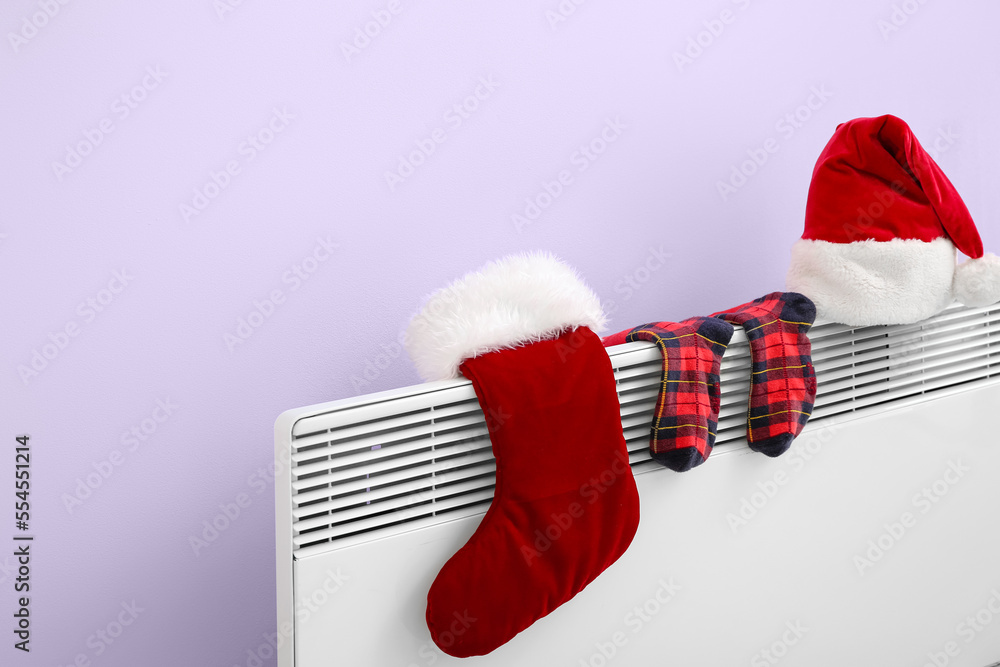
[515, 300]
[874, 282]
[900, 281]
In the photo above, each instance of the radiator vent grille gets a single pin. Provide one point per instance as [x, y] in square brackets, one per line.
[372, 467]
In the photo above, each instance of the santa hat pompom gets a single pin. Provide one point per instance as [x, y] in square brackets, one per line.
[977, 281]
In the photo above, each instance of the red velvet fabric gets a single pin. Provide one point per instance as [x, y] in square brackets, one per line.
[875, 181]
[565, 505]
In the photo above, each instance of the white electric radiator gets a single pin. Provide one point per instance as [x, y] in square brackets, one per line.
[873, 541]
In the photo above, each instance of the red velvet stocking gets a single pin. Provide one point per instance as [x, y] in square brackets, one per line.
[565, 505]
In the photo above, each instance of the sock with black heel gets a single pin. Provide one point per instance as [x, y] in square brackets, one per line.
[782, 380]
[687, 408]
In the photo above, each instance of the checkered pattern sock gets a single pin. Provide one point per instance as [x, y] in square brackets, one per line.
[687, 408]
[782, 381]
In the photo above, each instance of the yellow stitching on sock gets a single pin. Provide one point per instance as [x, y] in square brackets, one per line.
[713, 342]
[661, 338]
[779, 368]
[778, 320]
[658, 337]
[691, 425]
[780, 412]
[762, 326]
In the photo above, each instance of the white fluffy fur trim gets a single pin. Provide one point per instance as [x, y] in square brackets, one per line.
[511, 301]
[977, 281]
[874, 282]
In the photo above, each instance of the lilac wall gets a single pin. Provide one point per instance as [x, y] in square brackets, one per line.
[169, 170]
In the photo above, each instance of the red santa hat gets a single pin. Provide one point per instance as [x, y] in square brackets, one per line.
[882, 225]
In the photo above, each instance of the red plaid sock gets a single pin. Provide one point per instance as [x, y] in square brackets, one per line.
[782, 381]
[687, 408]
